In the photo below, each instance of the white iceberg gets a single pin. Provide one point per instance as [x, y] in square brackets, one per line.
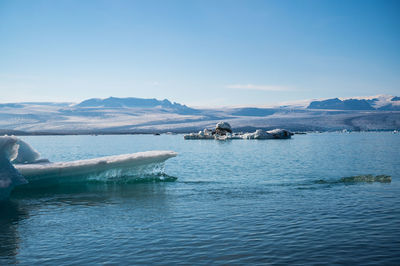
[25, 154]
[271, 134]
[9, 176]
[206, 134]
[21, 164]
[259, 134]
[223, 131]
[122, 163]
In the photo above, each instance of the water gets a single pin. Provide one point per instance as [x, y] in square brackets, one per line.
[234, 202]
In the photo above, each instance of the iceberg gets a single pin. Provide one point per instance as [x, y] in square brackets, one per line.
[25, 154]
[9, 176]
[205, 134]
[259, 134]
[21, 164]
[271, 134]
[223, 131]
[124, 163]
[223, 128]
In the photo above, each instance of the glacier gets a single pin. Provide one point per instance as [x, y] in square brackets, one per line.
[21, 164]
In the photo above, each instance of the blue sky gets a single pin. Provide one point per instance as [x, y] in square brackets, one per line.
[201, 53]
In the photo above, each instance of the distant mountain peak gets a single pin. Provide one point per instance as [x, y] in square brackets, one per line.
[132, 102]
[115, 102]
[396, 98]
[379, 102]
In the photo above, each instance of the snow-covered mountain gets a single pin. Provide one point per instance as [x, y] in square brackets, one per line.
[136, 115]
[380, 102]
[113, 102]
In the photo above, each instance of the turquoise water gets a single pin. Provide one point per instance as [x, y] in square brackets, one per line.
[234, 202]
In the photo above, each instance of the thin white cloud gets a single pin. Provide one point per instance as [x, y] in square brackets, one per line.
[258, 87]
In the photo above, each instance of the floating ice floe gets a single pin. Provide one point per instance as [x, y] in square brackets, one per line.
[21, 164]
[223, 131]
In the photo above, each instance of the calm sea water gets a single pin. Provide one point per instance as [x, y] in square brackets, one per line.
[234, 202]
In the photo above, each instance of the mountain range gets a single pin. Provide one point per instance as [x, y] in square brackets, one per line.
[136, 115]
[378, 103]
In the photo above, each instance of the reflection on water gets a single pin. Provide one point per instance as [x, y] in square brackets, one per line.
[93, 193]
[11, 213]
[31, 204]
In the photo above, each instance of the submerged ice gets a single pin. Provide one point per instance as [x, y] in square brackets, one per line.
[21, 164]
[367, 179]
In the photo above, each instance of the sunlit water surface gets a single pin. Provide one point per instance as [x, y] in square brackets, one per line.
[234, 202]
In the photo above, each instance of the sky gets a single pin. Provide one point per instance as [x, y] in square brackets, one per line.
[199, 53]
